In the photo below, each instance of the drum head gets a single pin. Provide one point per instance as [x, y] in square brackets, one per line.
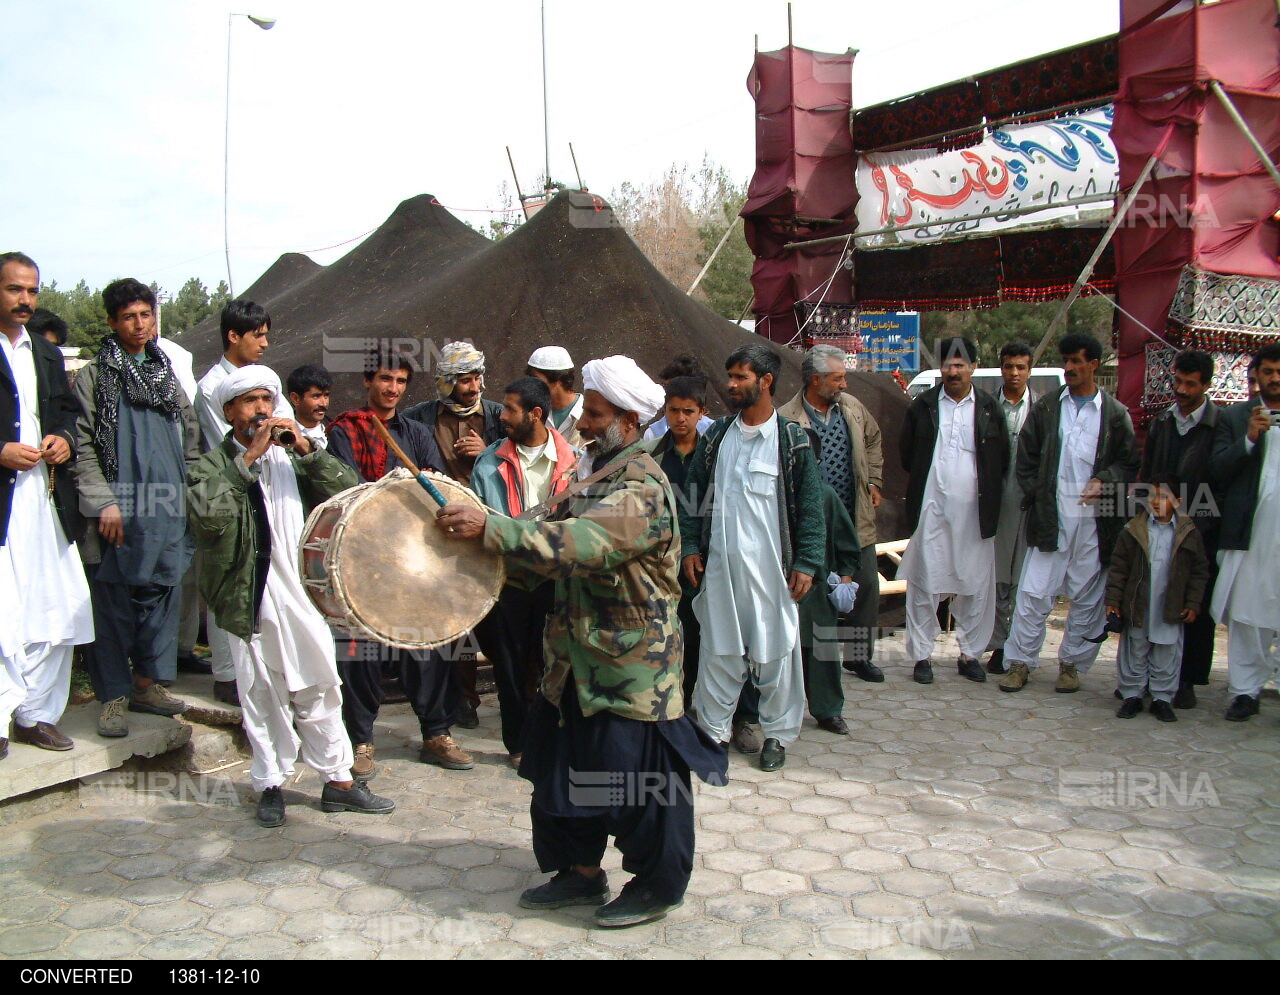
[401, 577]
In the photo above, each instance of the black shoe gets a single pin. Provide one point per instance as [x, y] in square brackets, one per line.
[868, 672]
[1117, 695]
[271, 808]
[772, 756]
[837, 725]
[190, 664]
[227, 693]
[467, 717]
[1186, 697]
[971, 670]
[357, 798]
[1130, 708]
[636, 905]
[923, 673]
[995, 662]
[4, 748]
[1242, 709]
[1163, 711]
[567, 888]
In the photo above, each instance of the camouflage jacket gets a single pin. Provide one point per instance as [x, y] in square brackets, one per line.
[614, 553]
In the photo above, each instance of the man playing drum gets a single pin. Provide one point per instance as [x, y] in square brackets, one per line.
[247, 501]
[612, 756]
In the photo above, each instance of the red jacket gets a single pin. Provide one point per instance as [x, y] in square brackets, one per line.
[498, 478]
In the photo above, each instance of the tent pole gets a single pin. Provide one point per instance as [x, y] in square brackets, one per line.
[712, 258]
[516, 179]
[1243, 125]
[576, 171]
[1087, 272]
[790, 42]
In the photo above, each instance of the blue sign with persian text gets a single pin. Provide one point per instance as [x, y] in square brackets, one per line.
[890, 341]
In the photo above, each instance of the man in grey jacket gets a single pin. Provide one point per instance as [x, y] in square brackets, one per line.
[1016, 400]
[853, 464]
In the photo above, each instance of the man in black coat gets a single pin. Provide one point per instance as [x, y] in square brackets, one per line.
[1180, 443]
[43, 590]
[1246, 467]
[955, 446]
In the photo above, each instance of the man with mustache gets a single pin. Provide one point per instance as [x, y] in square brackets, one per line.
[463, 424]
[1180, 443]
[429, 681]
[249, 499]
[533, 463]
[955, 446]
[135, 437]
[245, 327]
[610, 715]
[42, 583]
[308, 389]
[1246, 465]
[1076, 458]
[753, 536]
[852, 462]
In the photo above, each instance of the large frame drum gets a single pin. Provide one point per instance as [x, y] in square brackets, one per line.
[374, 562]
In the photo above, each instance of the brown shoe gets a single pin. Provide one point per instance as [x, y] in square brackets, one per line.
[4, 748]
[155, 700]
[746, 738]
[363, 768]
[444, 752]
[227, 693]
[44, 735]
[1068, 679]
[514, 760]
[1016, 679]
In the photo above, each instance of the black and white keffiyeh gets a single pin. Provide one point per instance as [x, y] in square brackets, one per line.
[150, 384]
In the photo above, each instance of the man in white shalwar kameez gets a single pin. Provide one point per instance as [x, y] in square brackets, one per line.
[747, 608]
[43, 590]
[246, 493]
[1246, 462]
[1075, 447]
[245, 326]
[955, 439]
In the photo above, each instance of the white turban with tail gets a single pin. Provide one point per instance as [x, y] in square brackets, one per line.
[624, 385]
[245, 379]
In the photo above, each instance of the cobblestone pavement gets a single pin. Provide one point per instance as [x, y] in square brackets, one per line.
[955, 821]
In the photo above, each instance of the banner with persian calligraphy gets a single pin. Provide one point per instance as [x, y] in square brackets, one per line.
[974, 190]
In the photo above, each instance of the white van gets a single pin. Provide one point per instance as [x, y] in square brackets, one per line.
[1043, 379]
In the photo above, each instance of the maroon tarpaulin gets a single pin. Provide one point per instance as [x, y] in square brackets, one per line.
[804, 177]
[1210, 204]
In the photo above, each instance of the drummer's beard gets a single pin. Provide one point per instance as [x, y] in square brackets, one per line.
[606, 444]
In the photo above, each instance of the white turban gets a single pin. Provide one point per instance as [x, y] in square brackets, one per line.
[245, 379]
[624, 385]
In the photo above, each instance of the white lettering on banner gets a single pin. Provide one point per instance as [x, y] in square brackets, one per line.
[1016, 167]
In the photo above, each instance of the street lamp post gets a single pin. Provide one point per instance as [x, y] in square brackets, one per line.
[266, 24]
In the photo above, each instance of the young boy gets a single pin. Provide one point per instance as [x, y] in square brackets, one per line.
[1158, 575]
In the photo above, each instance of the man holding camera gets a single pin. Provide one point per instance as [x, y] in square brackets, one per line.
[1246, 465]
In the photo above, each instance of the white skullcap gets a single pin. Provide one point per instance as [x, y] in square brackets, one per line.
[624, 385]
[551, 358]
[245, 379]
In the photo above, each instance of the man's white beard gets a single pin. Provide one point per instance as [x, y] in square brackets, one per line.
[610, 442]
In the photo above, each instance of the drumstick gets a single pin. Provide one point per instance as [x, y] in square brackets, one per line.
[427, 485]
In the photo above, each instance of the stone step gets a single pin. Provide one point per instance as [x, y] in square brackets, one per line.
[28, 769]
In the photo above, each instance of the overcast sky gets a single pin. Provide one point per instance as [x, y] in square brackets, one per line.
[114, 165]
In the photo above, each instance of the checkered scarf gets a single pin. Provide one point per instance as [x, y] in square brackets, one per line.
[149, 384]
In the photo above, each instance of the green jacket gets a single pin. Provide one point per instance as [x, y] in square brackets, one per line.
[1039, 456]
[222, 520]
[818, 620]
[614, 553]
[803, 529]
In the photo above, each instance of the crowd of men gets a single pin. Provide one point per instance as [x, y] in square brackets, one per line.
[676, 585]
